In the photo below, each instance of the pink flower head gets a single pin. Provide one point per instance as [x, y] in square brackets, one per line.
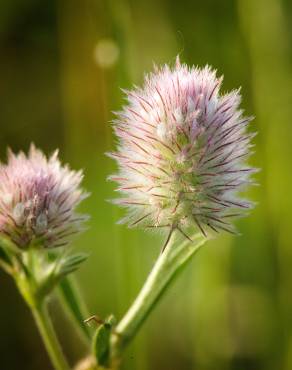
[182, 151]
[38, 198]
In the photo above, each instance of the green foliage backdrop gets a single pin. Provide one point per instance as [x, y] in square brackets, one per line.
[61, 69]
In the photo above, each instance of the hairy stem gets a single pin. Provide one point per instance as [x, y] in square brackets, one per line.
[170, 262]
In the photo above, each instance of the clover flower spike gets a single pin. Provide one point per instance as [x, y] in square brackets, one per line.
[38, 198]
[182, 151]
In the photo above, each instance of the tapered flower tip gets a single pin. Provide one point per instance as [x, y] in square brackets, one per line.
[182, 151]
[38, 197]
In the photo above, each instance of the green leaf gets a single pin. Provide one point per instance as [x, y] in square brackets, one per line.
[72, 301]
[101, 342]
[4, 257]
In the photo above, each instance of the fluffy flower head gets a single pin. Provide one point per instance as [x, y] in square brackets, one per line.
[182, 151]
[38, 197]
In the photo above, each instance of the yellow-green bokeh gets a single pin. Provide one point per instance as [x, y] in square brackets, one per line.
[62, 65]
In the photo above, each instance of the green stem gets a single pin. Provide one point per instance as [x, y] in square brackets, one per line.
[49, 337]
[170, 262]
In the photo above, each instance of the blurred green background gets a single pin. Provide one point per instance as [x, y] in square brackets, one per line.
[62, 66]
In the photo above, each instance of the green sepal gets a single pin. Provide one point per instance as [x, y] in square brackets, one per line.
[57, 269]
[4, 257]
[9, 255]
[101, 342]
[71, 263]
[8, 246]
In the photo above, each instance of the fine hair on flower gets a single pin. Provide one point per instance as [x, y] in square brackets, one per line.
[182, 151]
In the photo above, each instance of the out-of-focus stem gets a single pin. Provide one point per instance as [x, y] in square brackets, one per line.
[49, 337]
